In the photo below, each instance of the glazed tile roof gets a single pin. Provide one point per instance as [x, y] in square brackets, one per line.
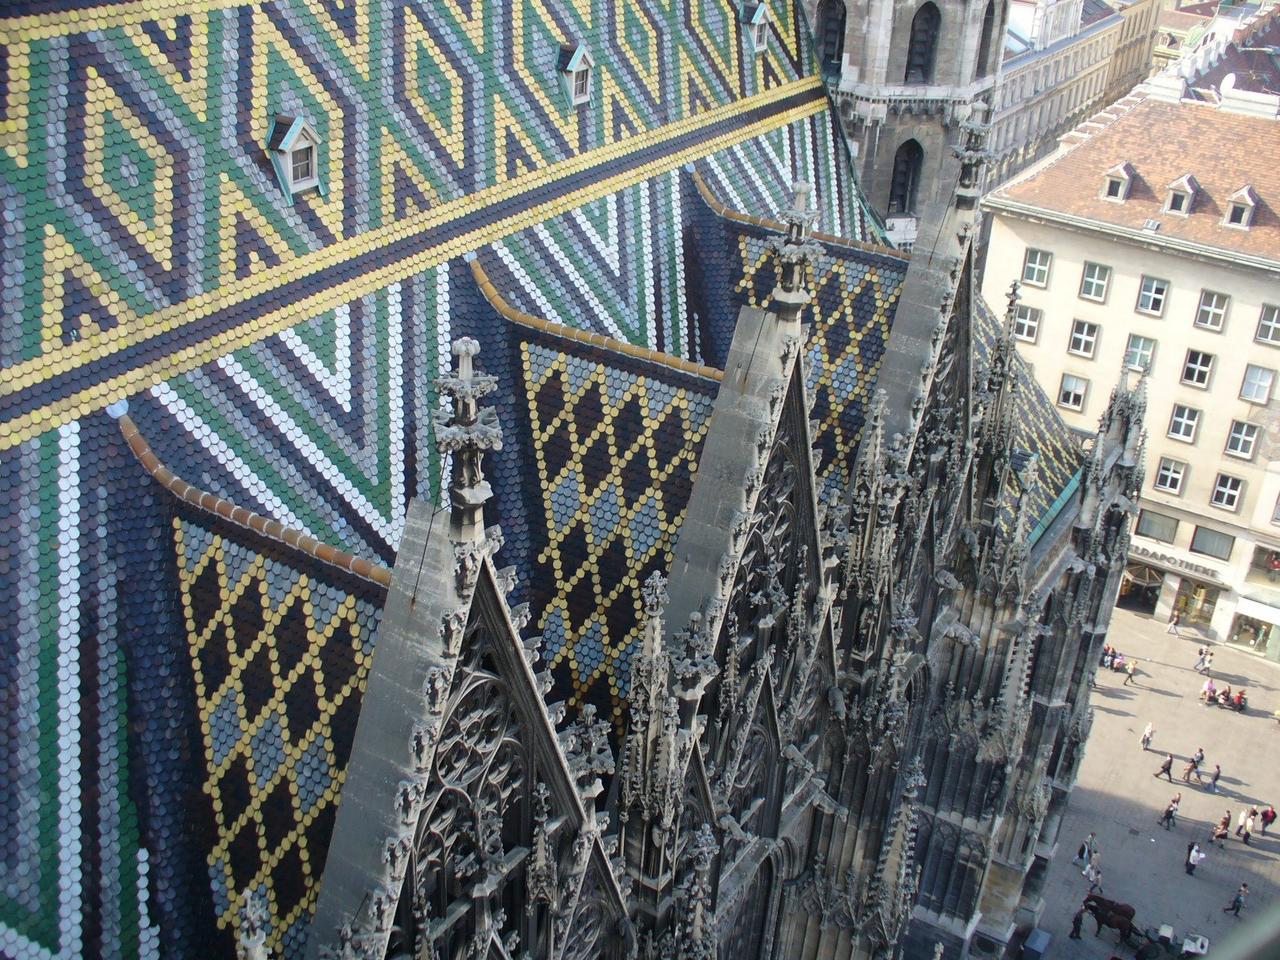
[1225, 152]
[1041, 431]
[281, 353]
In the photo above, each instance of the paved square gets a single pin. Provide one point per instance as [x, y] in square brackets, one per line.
[1116, 796]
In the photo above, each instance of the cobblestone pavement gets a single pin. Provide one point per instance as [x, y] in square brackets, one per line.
[1116, 795]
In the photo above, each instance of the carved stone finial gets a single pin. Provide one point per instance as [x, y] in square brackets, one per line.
[251, 941]
[467, 431]
[794, 251]
[654, 594]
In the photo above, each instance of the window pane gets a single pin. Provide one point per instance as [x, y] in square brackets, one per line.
[1269, 324]
[1071, 393]
[1226, 492]
[1196, 370]
[302, 165]
[1213, 310]
[1183, 423]
[1035, 269]
[1157, 526]
[1212, 543]
[1241, 439]
[1152, 295]
[1257, 384]
[1169, 475]
[1084, 338]
[1140, 352]
[1026, 323]
[1094, 280]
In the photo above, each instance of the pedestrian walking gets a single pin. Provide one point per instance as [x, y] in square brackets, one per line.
[1249, 824]
[1208, 663]
[1130, 670]
[1166, 768]
[1200, 652]
[1237, 901]
[1194, 856]
[1147, 734]
[1220, 832]
[1217, 775]
[1095, 883]
[1076, 921]
[1267, 817]
[1175, 618]
[1198, 756]
[1087, 848]
[1166, 818]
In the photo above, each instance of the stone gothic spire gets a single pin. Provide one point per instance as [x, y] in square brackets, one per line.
[795, 250]
[466, 432]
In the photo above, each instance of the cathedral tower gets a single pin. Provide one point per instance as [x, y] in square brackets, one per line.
[905, 74]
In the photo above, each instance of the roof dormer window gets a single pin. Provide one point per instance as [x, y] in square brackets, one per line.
[294, 149]
[757, 23]
[1182, 193]
[1240, 208]
[1116, 182]
[575, 71]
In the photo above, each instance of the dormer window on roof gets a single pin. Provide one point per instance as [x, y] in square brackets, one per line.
[1116, 183]
[1182, 193]
[1240, 208]
[757, 21]
[575, 72]
[294, 148]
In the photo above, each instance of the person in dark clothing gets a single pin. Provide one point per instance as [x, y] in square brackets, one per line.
[1237, 901]
[1268, 817]
[1075, 923]
[1217, 775]
[1166, 768]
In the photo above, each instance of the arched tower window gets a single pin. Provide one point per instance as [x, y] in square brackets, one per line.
[984, 45]
[831, 35]
[906, 177]
[920, 50]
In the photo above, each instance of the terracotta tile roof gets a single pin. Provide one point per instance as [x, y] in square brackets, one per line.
[1162, 142]
[1093, 11]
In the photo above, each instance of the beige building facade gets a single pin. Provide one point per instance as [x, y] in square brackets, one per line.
[1131, 62]
[1160, 256]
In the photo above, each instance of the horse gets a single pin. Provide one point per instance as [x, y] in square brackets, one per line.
[1109, 906]
[1116, 921]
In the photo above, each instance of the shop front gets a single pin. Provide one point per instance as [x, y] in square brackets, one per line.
[1195, 591]
[1257, 627]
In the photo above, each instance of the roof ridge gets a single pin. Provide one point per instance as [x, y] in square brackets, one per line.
[517, 316]
[254, 523]
[721, 209]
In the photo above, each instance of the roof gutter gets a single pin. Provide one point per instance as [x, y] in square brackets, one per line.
[1138, 237]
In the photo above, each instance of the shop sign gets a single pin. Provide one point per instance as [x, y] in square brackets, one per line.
[1176, 563]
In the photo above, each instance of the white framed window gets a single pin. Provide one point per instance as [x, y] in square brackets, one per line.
[760, 35]
[1197, 368]
[1238, 215]
[1035, 268]
[1170, 475]
[1242, 439]
[294, 151]
[1269, 325]
[1072, 391]
[1140, 352]
[1211, 543]
[1179, 202]
[1094, 280]
[1212, 313]
[1115, 185]
[1226, 492]
[1184, 422]
[1084, 338]
[1257, 384]
[1026, 323]
[1240, 208]
[582, 85]
[1152, 295]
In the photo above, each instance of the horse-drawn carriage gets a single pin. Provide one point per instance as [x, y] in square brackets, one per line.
[1151, 944]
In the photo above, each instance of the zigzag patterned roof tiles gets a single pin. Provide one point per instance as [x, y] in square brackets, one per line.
[280, 352]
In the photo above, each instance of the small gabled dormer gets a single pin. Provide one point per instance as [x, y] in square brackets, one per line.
[575, 68]
[756, 21]
[1116, 182]
[1181, 195]
[1240, 208]
[294, 149]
